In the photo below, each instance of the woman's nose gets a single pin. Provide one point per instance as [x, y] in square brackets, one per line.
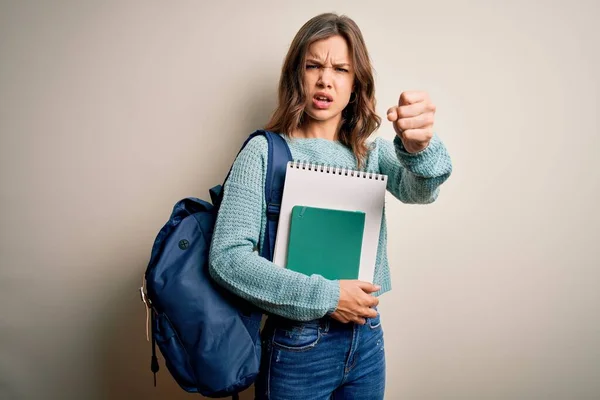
[325, 77]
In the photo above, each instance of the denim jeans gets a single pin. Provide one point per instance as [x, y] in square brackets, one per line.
[321, 359]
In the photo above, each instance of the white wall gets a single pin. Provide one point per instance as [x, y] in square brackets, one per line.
[110, 111]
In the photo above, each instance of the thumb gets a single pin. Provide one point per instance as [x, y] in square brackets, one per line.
[392, 114]
[368, 287]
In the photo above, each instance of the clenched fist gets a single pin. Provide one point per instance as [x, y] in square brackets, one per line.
[413, 119]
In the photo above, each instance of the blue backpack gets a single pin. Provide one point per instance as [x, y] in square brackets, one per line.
[209, 338]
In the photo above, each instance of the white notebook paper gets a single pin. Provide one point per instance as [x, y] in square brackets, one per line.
[337, 188]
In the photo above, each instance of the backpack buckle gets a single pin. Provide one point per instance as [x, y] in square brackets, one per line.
[273, 211]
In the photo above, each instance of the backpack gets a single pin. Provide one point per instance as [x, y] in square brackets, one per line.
[209, 338]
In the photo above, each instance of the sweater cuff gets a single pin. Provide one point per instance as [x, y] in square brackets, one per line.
[334, 297]
[423, 162]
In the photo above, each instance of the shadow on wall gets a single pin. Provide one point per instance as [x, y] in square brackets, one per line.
[124, 352]
[237, 119]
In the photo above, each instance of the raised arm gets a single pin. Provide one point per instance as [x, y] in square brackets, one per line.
[414, 178]
[419, 162]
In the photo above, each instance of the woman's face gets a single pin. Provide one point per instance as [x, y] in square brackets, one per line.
[328, 78]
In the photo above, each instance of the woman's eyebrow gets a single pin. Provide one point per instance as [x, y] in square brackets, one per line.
[319, 62]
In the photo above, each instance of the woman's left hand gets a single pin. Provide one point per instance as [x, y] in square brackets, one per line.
[413, 119]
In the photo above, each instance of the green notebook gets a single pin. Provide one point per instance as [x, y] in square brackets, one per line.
[326, 242]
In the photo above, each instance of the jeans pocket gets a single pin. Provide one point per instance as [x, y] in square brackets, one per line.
[375, 323]
[297, 337]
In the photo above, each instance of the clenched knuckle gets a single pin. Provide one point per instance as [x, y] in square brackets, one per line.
[409, 134]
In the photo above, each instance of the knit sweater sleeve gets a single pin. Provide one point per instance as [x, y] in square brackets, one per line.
[414, 178]
[233, 261]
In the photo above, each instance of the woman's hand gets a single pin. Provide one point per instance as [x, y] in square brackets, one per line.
[413, 119]
[356, 302]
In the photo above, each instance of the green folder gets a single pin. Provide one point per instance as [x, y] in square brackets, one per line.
[326, 242]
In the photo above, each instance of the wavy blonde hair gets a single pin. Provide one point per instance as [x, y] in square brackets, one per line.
[359, 119]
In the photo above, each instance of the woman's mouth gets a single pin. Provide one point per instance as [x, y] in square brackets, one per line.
[322, 102]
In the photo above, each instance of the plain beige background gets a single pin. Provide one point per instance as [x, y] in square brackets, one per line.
[110, 111]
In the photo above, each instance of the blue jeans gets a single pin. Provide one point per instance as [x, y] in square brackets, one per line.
[321, 360]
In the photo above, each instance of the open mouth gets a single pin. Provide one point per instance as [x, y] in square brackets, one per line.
[323, 97]
[322, 101]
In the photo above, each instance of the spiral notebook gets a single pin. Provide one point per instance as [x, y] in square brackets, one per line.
[335, 188]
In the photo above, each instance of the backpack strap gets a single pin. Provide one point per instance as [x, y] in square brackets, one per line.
[154, 367]
[278, 156]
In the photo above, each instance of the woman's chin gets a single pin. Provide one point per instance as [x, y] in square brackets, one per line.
[323, 115]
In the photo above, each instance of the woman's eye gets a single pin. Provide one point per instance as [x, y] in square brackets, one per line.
[342, 69]
[309, 66]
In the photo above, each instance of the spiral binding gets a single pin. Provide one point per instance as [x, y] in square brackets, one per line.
[329, 169]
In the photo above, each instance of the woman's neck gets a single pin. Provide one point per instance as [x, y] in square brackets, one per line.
[313, 129]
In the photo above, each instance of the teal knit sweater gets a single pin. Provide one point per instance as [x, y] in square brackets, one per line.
[234, 262]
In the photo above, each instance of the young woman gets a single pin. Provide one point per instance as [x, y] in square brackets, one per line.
[324, 339]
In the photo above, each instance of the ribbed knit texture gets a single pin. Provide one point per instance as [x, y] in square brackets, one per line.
[239, 231]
